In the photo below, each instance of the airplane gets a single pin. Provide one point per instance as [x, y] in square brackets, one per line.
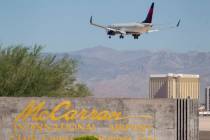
[135, 29]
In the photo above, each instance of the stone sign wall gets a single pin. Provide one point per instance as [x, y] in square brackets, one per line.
[105, 118]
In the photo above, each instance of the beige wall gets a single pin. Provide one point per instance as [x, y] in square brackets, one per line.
[204, 123]
[154, 119]
[174, 87]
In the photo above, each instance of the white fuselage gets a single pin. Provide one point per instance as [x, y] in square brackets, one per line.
[132, 28]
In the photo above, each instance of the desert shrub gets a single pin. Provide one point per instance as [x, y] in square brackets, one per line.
[86, 138]
[25, 71]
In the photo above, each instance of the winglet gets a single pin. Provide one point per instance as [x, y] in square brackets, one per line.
[177, 25]
[91, 20]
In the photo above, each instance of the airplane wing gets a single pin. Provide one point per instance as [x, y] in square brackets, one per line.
[97, 25]
[165, 28]
[153, 30]
[106, 28]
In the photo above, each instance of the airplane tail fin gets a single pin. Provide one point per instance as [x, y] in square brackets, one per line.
[149, 15]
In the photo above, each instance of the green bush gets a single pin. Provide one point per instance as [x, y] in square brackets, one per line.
[26, 71]
[86, 138]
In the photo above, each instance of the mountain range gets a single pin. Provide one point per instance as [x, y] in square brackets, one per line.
[113, 73]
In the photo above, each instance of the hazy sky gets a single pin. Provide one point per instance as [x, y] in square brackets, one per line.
[63, 25]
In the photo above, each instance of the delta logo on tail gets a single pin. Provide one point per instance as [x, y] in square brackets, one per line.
[135, 29]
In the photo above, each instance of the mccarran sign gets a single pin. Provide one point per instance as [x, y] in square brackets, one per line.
[107, 119]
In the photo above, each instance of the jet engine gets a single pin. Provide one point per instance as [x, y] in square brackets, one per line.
[110, 32]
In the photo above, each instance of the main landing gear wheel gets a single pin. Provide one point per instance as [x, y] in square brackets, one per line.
[110, 37]
[136, 36]
[121, 36]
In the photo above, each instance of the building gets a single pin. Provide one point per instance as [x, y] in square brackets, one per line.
[207, 98]
[174, 86]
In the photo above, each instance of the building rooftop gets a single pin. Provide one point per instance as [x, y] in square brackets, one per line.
[174, 75]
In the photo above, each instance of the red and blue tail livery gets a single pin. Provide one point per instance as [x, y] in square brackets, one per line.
[149, 15]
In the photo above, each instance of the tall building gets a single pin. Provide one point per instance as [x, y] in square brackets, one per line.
[207, 98]
[174, 86]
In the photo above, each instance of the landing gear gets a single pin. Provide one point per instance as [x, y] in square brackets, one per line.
[110, 37]
[136, 36]
[121, 36]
